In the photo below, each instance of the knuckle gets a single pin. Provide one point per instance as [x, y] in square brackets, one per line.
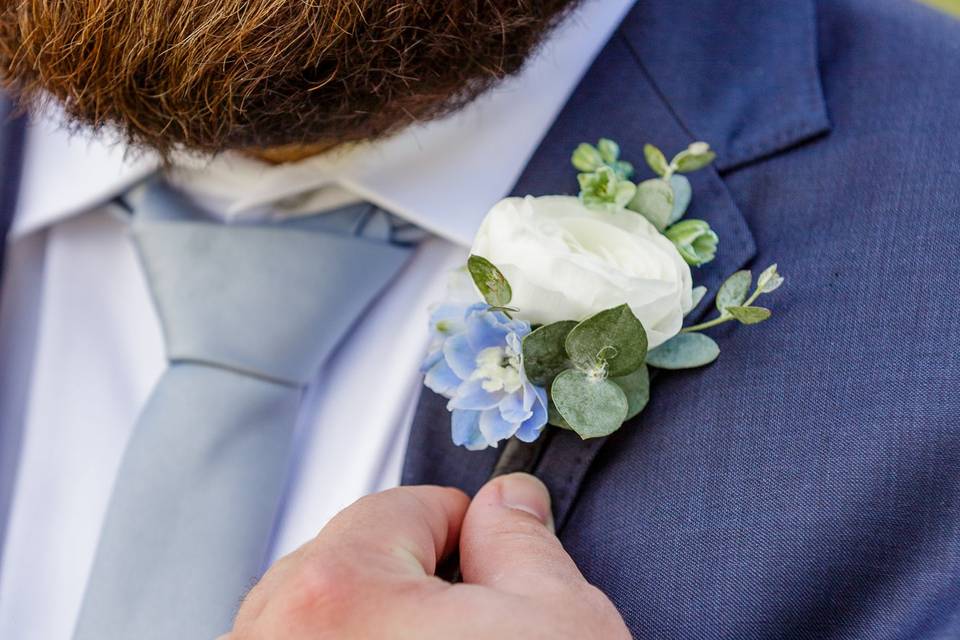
[374, 500]
[323, 592]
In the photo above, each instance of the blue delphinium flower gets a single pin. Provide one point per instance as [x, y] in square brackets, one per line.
[475, 361]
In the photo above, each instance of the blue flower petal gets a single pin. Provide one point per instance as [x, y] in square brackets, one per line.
[441, 379]
[461, 357]
[472, 396]
[448, 319]
[514, 342]
[540, 394]
[432, 358]
[465, 430]
[500, 317]
[494, 428]
[512, 409]
[519, 327]
[483, 332]
[531, 429]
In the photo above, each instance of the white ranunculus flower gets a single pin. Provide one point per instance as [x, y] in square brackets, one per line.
[565, 261]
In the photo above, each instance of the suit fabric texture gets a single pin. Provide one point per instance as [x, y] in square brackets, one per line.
[807, 484]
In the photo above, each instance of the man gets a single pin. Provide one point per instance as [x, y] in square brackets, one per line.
[802, 486]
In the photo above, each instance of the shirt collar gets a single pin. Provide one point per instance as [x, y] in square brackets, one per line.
[65, 174]
[442, 175]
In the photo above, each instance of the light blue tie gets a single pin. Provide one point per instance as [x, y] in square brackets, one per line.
[249, 313]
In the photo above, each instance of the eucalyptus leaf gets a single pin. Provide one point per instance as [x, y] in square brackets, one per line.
[493, 286]
[636, 386]
[734, 290]
[697, 294]
[682, 194]
[592, 406]
[654, 201]
[691, 163]
[586, 158]
[749, 315]
[554, 417]
[609, 150]
[506, 310]
[589, 159]
[614, 337]
[655, 159]
[544, 354]
[696, 156]
[684, 351]
[623, 169]
[769, 280]
[605, 189]
[694, 239]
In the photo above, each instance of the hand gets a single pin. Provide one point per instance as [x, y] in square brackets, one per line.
[369, 573]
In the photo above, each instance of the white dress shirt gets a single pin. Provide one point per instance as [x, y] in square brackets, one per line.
[81, 347]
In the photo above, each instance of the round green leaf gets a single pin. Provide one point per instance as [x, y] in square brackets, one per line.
[636, 386]
[554, 417]
[493, 286]
[592, 406]
[684, 351]
[749, 315]
[654, 201]
[697, 295]
[734, 290]
[682, 194]
[544, 354]
[614, 336]
[655, 159]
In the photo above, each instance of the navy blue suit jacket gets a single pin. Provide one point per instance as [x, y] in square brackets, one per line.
[12, 129]
[807, 484]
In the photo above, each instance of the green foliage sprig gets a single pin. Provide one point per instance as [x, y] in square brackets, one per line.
[690, 348]
[605, 184]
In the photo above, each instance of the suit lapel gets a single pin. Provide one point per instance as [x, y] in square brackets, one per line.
[12, 131]
[739, 75]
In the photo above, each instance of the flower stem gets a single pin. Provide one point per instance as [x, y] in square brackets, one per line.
[706, 325]
[753, 298]
[519, 456]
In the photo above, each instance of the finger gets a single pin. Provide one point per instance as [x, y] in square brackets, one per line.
[507, 541]
[378, 540]
[404, 531]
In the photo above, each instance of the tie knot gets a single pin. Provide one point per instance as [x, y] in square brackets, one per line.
[267, 300]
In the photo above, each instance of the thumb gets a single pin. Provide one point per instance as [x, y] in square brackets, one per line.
[507, 540]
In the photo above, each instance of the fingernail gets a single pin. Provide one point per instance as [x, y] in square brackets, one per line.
[525, 492]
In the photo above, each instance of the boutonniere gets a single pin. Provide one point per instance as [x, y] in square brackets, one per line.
[566, 301]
